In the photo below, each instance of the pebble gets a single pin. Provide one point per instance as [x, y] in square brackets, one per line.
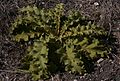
[43, 2]
[96, 3]
[118, 28]
[112, 62]
[98, 64]
[75, 80]
[100, 60]
[101, 70]
[7, 77]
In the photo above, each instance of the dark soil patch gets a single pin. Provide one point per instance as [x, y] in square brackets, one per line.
[104, 12]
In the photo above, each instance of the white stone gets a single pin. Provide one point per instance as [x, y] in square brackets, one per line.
[96, 3]
[100, 60]
[75, 79]
[43, 2]
[98, 64]
[118, 28]
[7, 77]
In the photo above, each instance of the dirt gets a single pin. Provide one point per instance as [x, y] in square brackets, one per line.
[105, 13]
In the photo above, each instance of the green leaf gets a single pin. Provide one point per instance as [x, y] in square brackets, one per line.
[36, 10]
[93, 45]
[21, 36]
[84, 41]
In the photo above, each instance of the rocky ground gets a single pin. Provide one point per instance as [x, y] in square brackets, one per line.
[106, 13]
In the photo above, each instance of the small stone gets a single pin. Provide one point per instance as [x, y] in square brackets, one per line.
[98, 64]
[118, 28]
[96, 75]
[81, 76]
[85, 74]
[40, 80]
[101, 70]
[43, 2]
[112, 80]
[6, 39]
[100, 60]
[75, 80]
[112, 62]
[80, 5]
[96, 3]
[7, 77]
